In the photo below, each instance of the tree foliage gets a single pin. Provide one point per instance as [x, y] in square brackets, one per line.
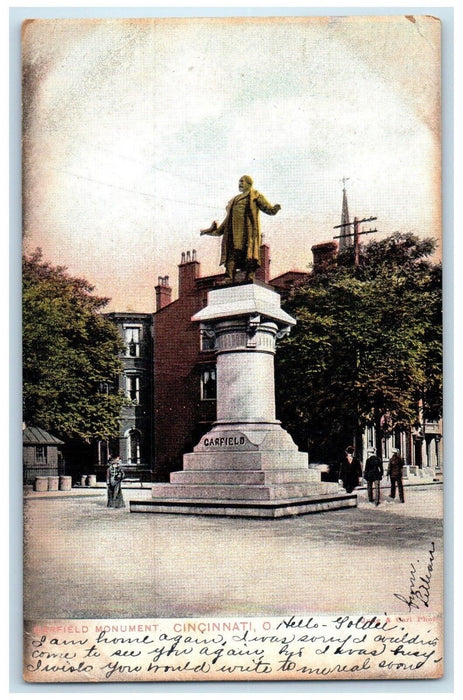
[367, 348]
[70, 355]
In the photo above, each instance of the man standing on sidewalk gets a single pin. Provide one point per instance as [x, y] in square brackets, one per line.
[351, 470]
[394, 471]
[373, 474]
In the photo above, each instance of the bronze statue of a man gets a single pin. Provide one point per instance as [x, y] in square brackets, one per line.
[240, 229]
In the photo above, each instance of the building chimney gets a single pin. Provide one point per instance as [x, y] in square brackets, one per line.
[163, 293]
[188, 271]
[323, 254]
[263, 272]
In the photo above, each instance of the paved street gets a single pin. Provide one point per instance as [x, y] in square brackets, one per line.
[85, 560]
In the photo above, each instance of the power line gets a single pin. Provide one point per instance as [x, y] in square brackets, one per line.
[132, 191]
[147, 167]
[355, 223]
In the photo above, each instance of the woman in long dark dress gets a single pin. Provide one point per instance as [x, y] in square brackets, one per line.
[114, 476]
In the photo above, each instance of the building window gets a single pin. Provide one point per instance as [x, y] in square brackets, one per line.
[41, 454]
[208, 383]
[132, 341]
[102, 452]
[370, 436]
[114, 449]
[387, 447]
[132, 390]
[133, 447]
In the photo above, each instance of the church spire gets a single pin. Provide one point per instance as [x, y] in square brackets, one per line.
[347, 240]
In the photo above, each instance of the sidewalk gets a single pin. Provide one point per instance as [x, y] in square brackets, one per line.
[83, 559]
[145, 489]
[88, 491]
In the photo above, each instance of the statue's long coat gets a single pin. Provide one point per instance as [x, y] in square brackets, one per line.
[241, 226]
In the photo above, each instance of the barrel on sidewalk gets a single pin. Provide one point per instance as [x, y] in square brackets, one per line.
[41, 483]
[53, 482]
[65, 483]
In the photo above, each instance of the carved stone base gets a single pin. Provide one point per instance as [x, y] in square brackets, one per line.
[247, 470]
[246, 465]
[281, 508]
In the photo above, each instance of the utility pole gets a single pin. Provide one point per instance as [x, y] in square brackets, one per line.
[356, 234]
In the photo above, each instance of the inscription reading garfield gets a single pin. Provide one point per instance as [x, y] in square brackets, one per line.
[224, 441]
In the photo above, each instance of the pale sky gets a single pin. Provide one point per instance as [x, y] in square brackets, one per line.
[137, 132]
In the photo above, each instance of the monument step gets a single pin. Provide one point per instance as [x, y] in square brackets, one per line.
[247, 461]
[247, 509]
[253, 477]
[241, 492]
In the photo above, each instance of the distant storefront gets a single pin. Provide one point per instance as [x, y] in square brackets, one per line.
[41, 454]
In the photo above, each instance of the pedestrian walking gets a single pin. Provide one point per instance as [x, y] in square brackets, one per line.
[351, 470]
[114, 476]
[394, 471]
[373, 474]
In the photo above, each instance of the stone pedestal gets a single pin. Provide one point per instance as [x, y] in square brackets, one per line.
[246, 465]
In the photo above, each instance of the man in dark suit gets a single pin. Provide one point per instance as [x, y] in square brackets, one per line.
[351, 470]
[394, 471]
[373, 474]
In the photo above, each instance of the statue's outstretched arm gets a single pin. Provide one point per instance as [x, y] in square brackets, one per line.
[266, 207]
[211, 231]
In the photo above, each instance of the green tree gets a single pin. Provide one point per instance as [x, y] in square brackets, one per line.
[367, 348]
[70, 355]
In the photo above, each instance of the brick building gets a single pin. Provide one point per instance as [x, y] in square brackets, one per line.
[134, 444]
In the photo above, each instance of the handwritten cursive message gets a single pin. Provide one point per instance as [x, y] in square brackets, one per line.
[322, 647]
[420, 583]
